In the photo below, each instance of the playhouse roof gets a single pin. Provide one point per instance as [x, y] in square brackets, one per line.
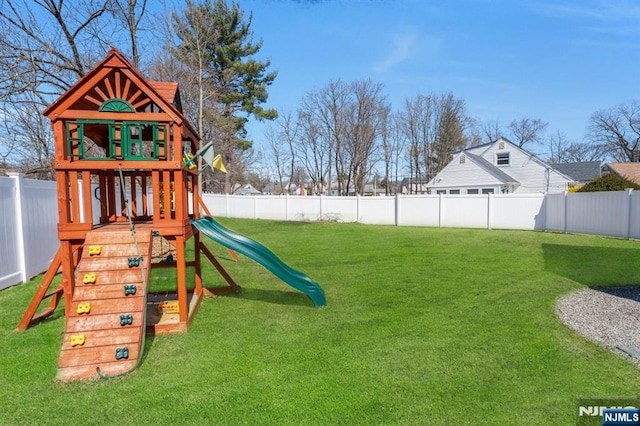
[115, 78]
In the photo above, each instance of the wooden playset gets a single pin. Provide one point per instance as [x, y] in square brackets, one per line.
[124, 156]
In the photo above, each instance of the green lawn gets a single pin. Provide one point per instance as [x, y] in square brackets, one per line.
[422, 326]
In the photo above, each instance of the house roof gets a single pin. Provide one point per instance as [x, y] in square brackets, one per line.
[490, 168]
[629, 171]
[580, 172]
[246, 189]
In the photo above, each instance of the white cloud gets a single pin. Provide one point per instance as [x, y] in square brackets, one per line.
[403, 45]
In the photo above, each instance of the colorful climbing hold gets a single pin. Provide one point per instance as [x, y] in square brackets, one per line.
[134, 261]
[126, 319]
[94, 250]
[129, 289]
[122, 353]
[77, 340]
[83, 308]
[89, 278]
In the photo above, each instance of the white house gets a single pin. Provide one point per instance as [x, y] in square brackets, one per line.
[498, 167]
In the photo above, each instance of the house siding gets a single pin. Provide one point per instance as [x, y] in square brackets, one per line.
[533, 175]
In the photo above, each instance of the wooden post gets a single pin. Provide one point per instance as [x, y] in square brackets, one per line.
[198, 263]
[86, 197]
[181, 272]
[66, 260]
[102, 182]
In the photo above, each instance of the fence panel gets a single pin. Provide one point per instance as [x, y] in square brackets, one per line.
[241, 206]
[10, 266]
[271, 207]
[339, 209]
[304, 208]
[634, 215]
[418, 210]
[554, 212]
[598, 213]
[514, 211]
[40, 219]
[377, 210]
[464, 211]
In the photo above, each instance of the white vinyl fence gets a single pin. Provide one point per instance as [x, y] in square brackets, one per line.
[28, 228]
[29, 215]
[489, 211]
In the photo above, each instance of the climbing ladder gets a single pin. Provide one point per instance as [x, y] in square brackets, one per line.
[105, 329]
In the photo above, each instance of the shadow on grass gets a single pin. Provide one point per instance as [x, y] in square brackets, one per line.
[277, 297]
[629, 292]
[596, 267]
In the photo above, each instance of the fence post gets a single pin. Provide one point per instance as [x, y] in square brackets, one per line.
[628, 218]
[440, 210]
[321, 208]
[18, 184]
[489, 209]
[565, 214]
[357, 208]
[286, 207]
[397, 213]
[255, 207]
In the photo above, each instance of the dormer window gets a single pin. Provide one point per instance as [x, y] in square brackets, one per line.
[502, 159]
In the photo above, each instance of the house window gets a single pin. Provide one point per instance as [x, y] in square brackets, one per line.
[487, 190]
[472, 191]
[454, 191]
[441, 191]
[463, 159]
[502, 159]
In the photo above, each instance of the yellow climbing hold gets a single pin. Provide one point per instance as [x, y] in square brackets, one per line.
[94, 250]
[89, 278]
[77, 340]
[83, 308]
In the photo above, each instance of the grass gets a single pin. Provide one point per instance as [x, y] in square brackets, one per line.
[423, 326]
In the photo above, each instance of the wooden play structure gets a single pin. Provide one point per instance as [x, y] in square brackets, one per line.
[126, 178]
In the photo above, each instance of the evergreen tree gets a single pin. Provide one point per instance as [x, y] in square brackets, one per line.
[215, 40]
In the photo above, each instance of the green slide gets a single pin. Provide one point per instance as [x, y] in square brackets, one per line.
[262, 255]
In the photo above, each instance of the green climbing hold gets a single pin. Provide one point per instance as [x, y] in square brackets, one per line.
[126, 319]
[129, 289]
[134, 261]
[122, 353]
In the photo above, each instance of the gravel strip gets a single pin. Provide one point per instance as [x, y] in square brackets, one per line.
[608, 316]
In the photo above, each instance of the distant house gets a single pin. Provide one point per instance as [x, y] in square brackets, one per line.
[582, 172]
[629, 171]
[498, 167]
[246, 189]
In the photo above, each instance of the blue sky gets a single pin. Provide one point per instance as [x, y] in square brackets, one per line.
[559, 61]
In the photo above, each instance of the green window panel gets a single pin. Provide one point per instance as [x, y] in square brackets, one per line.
[116, 105]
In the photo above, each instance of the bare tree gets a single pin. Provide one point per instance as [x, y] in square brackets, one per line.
[325, 110]
[526, 131]
[45, 47]
[131, 13]
[278, 156]
[491, 131]
[392, 148]
[366, 117]
[618, 129]
[434, 127]
[341, 127]
[314, 151]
